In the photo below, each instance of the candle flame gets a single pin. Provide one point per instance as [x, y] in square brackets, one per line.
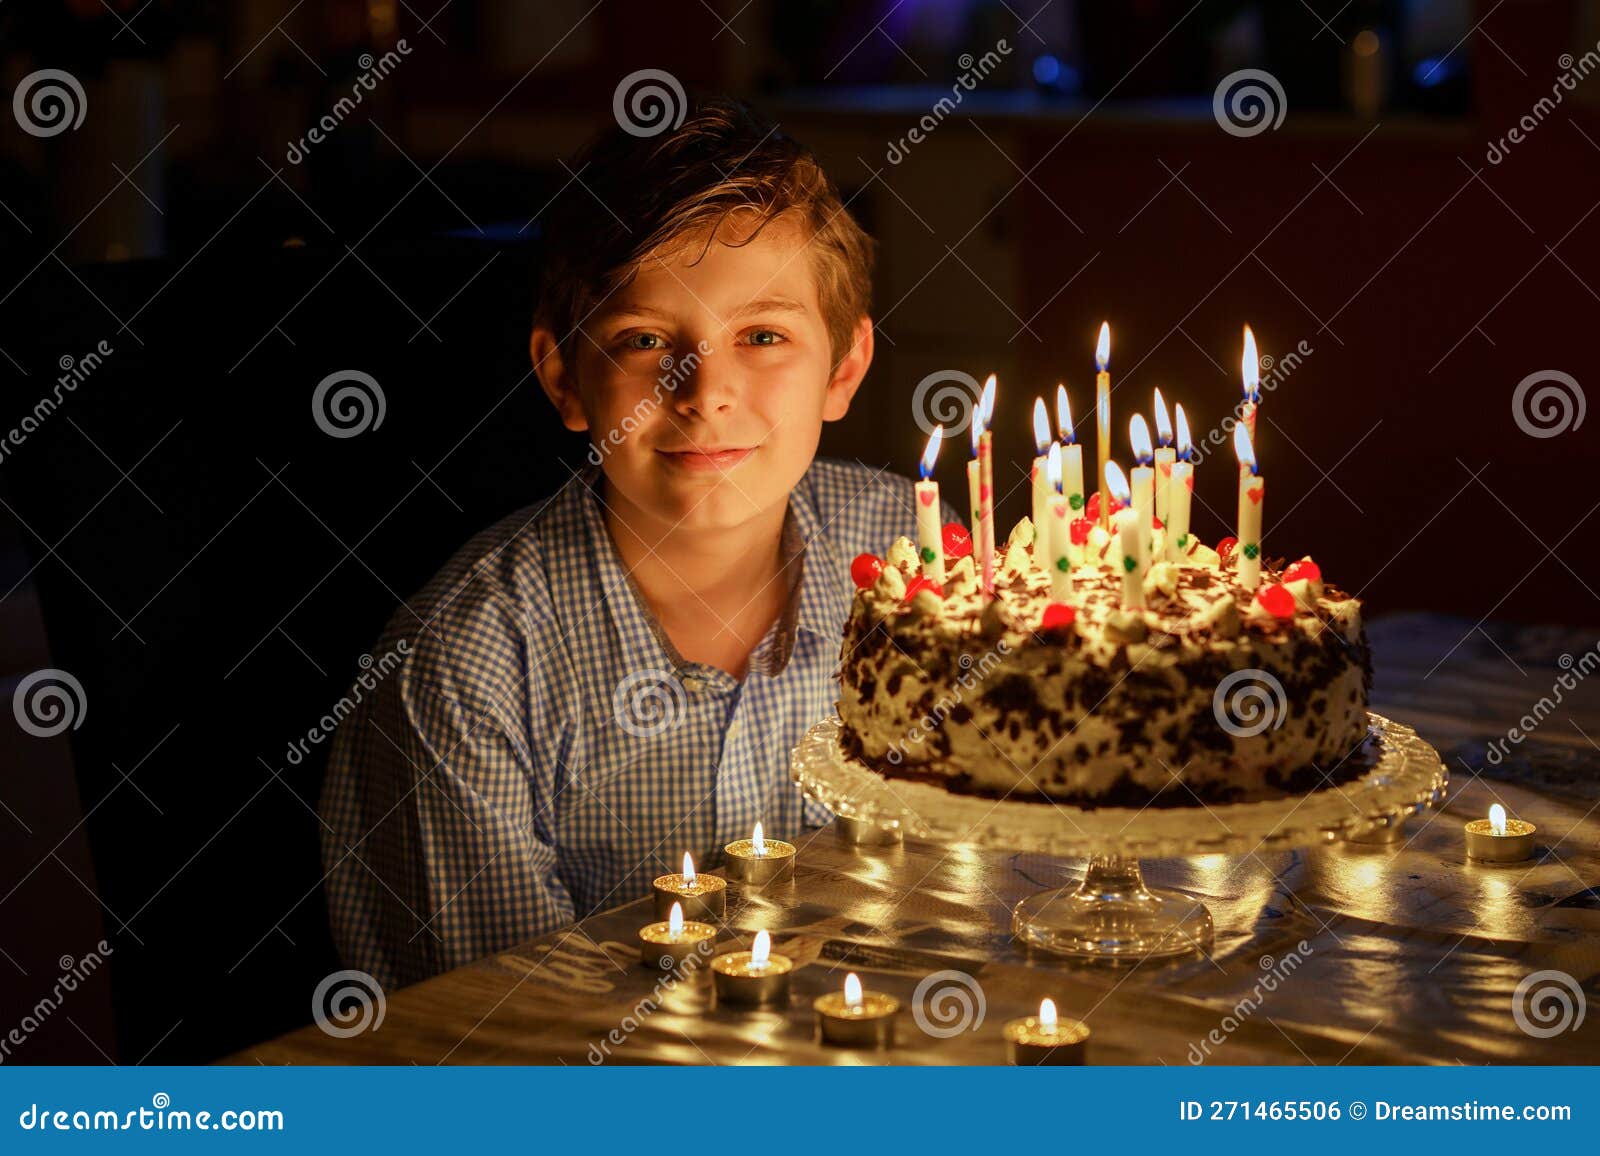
[986, 402]
[932, 452]
[1163, 426]
[1242, 447]
[761, 949]
[1052, 469]
[976, 428]
[1183, 433]
[675, 920]
[1102, 347]
[1250, 367]
[1041, 425]
[1497, 819]
[1064, 416]
[1047, 1014]
[758, 841]
[852, 990]
[688, 869]
[1117, 482]
[1139, 435]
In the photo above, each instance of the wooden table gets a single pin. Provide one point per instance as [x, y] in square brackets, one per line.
[1338, 954]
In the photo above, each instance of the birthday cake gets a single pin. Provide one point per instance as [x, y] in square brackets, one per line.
[1210, 692]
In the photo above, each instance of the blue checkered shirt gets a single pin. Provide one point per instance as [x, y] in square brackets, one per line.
[544, 751]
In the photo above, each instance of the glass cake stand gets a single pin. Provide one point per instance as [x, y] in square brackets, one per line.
[1112, 915]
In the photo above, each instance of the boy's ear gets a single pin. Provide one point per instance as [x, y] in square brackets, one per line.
[848, 373]
[556, 377]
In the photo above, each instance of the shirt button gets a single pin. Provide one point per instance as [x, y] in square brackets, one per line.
[693, 685]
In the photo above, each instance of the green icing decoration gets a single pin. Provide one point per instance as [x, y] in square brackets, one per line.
[1251, 550]
[1075, 501]
[1062, 564]
[927, 553]
[1129, 564]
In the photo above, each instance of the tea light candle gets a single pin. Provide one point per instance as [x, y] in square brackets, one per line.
[868, 832]
[930, 537]
[757, 976]
[1252, 488]
[700, 895]
[1042, 492]
[757, 861]
[666, 945]
[1045, 1040]
[855, 1018]
[1166, 457]
[1180, 494]
[1498, 839]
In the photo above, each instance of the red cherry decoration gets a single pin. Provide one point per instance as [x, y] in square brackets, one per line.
[1225, 548]
[1276, 600]
[957, 541]
[1092, 510]
[1303, 570]
[922, 583]
[865, 569]
[1056, 615]
[1080, 530]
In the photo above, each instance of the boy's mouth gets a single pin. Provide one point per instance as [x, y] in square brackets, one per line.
[704, 459]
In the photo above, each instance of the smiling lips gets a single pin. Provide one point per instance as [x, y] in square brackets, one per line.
[707, 459]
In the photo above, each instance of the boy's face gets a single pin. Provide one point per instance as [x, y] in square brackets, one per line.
[704, 383]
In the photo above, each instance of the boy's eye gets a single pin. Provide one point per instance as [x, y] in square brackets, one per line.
[643, 341]
[766, 337]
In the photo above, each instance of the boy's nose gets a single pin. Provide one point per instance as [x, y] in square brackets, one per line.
[711, 389]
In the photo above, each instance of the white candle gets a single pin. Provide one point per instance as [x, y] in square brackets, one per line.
[1252, 488]
[1102, 411]
[1143, 481]
[986, 482]
[1182, 490]
[1057, 530]
[1165, 457]
[1250, 371]
[1133, 560]
[975, 493]
[1042, 493]
[1072, 469]
[930, 538]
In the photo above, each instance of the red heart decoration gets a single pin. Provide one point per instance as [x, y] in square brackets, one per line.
[1166, 469]
[926, 497]
[1059, 509]
[984, 493]
[1188, 482]
[1255, 494]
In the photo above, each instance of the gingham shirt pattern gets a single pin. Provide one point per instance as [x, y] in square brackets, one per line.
[487, 790]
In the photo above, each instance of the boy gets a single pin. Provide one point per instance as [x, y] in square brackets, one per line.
[617, 675]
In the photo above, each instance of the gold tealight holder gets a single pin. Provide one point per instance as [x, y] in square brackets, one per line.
[1499, 839]
[701, 896]
[756, 977]
[868, 832]
[667, 945]
[853, 1018]
[757, 861]
[1045, 1040]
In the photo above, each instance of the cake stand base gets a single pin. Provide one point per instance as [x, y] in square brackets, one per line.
[1112, 915]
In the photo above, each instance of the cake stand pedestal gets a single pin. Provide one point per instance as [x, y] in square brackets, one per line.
[1112, 915]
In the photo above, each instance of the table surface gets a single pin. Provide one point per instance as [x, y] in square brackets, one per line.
[1329, 955]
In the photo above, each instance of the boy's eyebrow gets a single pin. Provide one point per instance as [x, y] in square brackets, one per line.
[760, 305]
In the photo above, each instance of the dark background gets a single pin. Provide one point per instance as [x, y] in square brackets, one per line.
[209, 564]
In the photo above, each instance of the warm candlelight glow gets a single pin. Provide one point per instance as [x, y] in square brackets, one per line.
[1064, 417]
[1497, 819]
[1053, 468]
[1242, 447]
[675, 921]
[1047, 1014]
[1163, 426]
[1102, 347]
[1183, 434]
[986, 402]
[1139, 436]
[688, 869]
[977, 429]
[1041, 425]
[852, 990]
[1250, 367]
[761, 949]
[925, 467]
[758, 841]
[1117, 482]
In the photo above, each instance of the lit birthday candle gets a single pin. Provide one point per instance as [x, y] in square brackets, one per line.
[1181, 493]
[1102, 411]
[1071, 468]
[1042, 491]
[930, 538]
[1250, 372]
[1165, 457]
[975, 487]
[1133, 562]
[986, 481]
[1056, 530]
[1143, 480]
[1252, 488]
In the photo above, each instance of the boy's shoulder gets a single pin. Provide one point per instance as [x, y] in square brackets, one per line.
[862, 508]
